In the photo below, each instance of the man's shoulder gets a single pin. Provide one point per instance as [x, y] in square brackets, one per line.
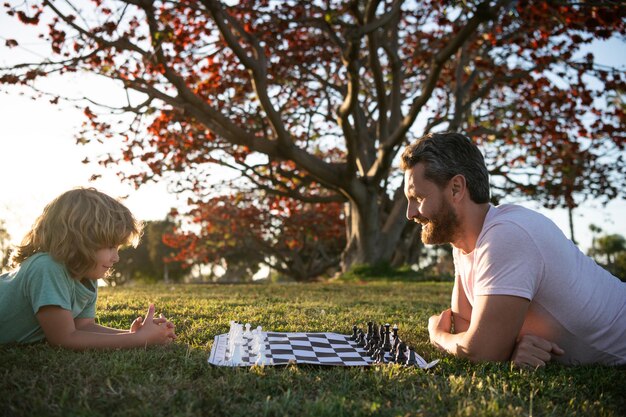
[513, 214]
[521, 225]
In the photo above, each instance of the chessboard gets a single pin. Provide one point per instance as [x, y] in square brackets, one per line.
[326, 349]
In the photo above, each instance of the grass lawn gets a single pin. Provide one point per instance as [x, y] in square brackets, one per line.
[176, 380]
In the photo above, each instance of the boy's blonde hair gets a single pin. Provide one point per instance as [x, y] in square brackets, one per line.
[75, 225]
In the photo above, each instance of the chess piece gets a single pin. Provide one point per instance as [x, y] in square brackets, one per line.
[370, 331]
[236, 356]
[261, 357]
[401, 355]
[394, 334]
[374, 356]
[354, 333]
[387, 343]
[411, 360]
[381, 356]
[368, 343]
[394, 345]
[373, 345]
[360, 340]
[247, 333]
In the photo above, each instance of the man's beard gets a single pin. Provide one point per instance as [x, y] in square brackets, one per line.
[441, 228]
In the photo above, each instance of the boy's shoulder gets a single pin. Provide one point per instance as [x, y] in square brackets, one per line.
[43, 262]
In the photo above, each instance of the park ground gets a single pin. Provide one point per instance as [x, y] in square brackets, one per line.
[176, 380]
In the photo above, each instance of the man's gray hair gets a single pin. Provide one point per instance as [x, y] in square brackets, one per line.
[445, 155]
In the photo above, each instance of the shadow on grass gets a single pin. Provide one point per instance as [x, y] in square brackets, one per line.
[385, 272]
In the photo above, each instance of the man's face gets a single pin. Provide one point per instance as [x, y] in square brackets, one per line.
[428, 205]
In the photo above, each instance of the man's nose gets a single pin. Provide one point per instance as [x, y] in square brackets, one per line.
[411, 211]
[115, 256]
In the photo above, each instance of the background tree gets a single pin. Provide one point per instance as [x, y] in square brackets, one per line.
[5, 247]
[237, 232]
[609, 246]
[619, 268]
[295, 95]
[152, 260]
[609, 251]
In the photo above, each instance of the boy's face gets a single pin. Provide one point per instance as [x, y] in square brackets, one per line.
[105, 259]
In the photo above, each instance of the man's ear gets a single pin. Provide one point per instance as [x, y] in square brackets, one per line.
[458, 187]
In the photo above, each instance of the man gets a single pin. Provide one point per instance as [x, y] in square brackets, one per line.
[522, 290]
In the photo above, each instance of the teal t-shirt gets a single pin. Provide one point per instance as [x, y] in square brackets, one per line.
[40, 281]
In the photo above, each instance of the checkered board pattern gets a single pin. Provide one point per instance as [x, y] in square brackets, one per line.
[330, 349]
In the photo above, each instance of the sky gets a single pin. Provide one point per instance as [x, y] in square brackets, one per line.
[39, 158]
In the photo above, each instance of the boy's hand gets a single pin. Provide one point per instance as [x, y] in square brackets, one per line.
[138, 322]
[154, 330]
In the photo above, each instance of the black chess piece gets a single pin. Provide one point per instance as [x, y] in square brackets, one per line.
[377, 356]
[368, 343]
[370, 331]
[381, 356]
[371, 349]
[387, 343]
[373, 345]
[411, 359]
[360, 339]
[394, 345]
[394, 334]
[354, 333]
[401, 355]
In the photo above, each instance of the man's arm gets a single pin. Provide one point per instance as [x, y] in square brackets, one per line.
[60, 330]
[494, 325]
[461, 307]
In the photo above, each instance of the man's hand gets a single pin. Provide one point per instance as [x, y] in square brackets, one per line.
[439, 323]
[533, 352]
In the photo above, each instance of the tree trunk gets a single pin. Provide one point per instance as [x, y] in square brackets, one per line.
[570, 212]
[373, 231]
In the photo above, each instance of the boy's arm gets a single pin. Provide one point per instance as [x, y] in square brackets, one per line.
[90, 325]
[495, 323]
[60, 330]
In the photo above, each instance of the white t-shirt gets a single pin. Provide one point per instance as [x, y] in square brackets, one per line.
[574, 302]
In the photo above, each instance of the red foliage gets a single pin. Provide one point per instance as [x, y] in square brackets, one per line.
[298, 239]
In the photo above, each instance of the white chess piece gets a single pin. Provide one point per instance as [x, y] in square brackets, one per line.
[235, 358]
[247, 333]
[261, 358]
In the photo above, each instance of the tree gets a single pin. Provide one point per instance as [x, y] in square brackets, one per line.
[609, 246]
[151, 260]
[609, 251]
[5, 247]
[620, 266]
[235, 232]
[325, 94]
